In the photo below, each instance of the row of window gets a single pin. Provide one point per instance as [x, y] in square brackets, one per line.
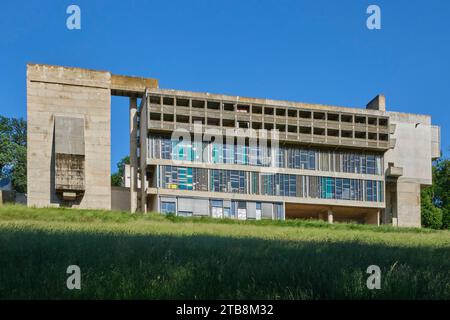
[266, 110]
[160, 147]
[241, 210]
[322, 187]
[244, 182]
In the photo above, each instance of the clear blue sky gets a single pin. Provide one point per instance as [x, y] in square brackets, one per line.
[310, 51]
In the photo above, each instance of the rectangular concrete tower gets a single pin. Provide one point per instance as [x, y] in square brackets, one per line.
[80, 99]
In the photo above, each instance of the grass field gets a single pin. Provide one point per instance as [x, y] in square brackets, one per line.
[124, 256]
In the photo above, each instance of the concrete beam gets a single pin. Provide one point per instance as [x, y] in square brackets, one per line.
[131, 86]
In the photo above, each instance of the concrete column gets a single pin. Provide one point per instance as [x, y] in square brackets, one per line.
[330, 216]
[133, 154]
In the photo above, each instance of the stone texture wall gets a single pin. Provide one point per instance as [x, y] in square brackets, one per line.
[68, 92]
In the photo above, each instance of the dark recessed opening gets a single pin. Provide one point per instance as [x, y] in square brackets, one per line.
[360, 120]
[319, 115]
[305, 114]
[168, 101]
[333, 117]
[155, 99]
[292, 113]
[332, 133]
[182, 102]
[372, 121]
[346, 118]
[244, 108]
[305, 130]
[213, 105]
[257, 109]
[382, 122]
[228, 107]
[155, 116]
[281, 127]
[281, 112]
[168, 117]
[372, 136]
[228, 123]
[243, 124]
[360, 135]
[213, 122]
[383, 137]
[268, 126]
[319, 131]
[182, 119]
[346, 134]
[292, 129]
[268, 111]
[198, 104]
[256, 125]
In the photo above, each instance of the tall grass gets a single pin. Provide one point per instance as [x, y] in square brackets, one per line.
[125, 256]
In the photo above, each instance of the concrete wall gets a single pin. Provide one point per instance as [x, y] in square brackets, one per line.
[120, 199]
[68, 92]
[408, 204]
[416, 141]
[413, 146]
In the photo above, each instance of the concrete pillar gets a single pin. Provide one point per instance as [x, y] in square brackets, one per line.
[133, 154]
[330, 216]
[143, 153]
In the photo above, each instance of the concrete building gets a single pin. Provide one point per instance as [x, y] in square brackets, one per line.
[201, 154]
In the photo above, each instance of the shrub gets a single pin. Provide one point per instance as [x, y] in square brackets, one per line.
[431, 215]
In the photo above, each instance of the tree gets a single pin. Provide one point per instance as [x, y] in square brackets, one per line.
[436, 199]
[13, 152]
[117, 177]
[446, 217]
[441, 186]
[431, 215]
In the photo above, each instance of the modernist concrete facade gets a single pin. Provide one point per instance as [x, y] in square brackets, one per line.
[201, 154]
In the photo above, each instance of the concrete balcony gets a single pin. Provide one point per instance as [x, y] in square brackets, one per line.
[394, 172]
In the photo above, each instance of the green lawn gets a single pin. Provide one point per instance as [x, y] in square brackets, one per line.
[124, 256]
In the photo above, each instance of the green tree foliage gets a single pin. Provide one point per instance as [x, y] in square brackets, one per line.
[441, 184]
[436, 199]
[13, 151]
[446, 217]
[431, 215]
[117, 177]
